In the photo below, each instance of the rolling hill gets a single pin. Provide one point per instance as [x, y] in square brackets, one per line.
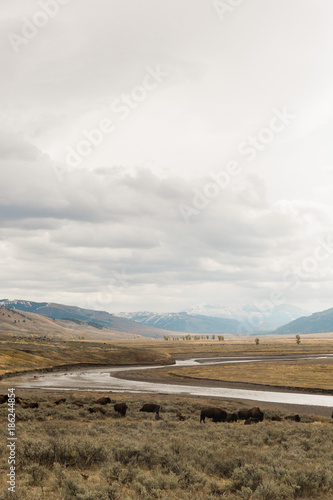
[22, 324]
[94, 324]
[320, 322]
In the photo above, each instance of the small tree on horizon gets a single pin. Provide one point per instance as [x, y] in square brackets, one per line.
[298, 339]
[257, 341]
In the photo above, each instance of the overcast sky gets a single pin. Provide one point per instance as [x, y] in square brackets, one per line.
[161, 154]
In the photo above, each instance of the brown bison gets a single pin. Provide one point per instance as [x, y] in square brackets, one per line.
[276, 418]
[96, 409]
[231, 417]
[121, 408]
[251, 421]
[254, 412]
[3, 398]
[151, 408]
[180, 416]
[59, 401]
[103, 401]
[294, 418]
[30, 405]
[217, 414]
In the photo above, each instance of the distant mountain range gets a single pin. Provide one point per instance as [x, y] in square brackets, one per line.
[183, 322]
[216, 319]
[320, 322]
[23, 324]
[254, 316]
[98, 320]
[206, 319]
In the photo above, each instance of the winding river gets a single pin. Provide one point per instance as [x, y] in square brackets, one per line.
[108, 379]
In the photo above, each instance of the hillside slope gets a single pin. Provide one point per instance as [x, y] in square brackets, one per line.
[83, 317]
[25, 354]
[25, 324]
[320, 322]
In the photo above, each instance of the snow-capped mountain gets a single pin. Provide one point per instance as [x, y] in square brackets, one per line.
[217, 319]
[254, 317]
[183, 322]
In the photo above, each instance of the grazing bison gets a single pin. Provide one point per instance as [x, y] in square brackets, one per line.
[3, 398]
[217, 414]
[96, 409]
[254, 412]
[276, 418]
[231, 417]
[180, 416]
[30, 405]
[151, 408]
[103, 401]
[78, 403]
[294, 418]
[62, 400]
[121, 408]
[251, 421]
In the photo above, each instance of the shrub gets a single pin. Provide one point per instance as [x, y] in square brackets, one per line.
[37, 474]
[248, 476]
[226, 467]
[269, 490]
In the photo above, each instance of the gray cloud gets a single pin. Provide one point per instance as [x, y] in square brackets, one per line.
[109, 232]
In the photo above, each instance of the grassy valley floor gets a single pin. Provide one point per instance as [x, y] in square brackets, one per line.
[305, 374]
[64, 452]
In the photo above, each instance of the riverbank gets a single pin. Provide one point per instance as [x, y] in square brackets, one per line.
[301, 374]
[26, 355]
[114, 381]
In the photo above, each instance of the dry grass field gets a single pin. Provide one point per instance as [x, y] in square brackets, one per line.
[243, 346]
[64, 452]
[313, 374]
[17, 354]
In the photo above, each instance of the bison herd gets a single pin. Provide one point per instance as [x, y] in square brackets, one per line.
[250, 416]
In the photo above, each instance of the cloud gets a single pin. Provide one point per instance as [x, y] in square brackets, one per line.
[71, 238]
[118, 212]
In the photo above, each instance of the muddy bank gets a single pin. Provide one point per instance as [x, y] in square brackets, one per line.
[72, 367]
